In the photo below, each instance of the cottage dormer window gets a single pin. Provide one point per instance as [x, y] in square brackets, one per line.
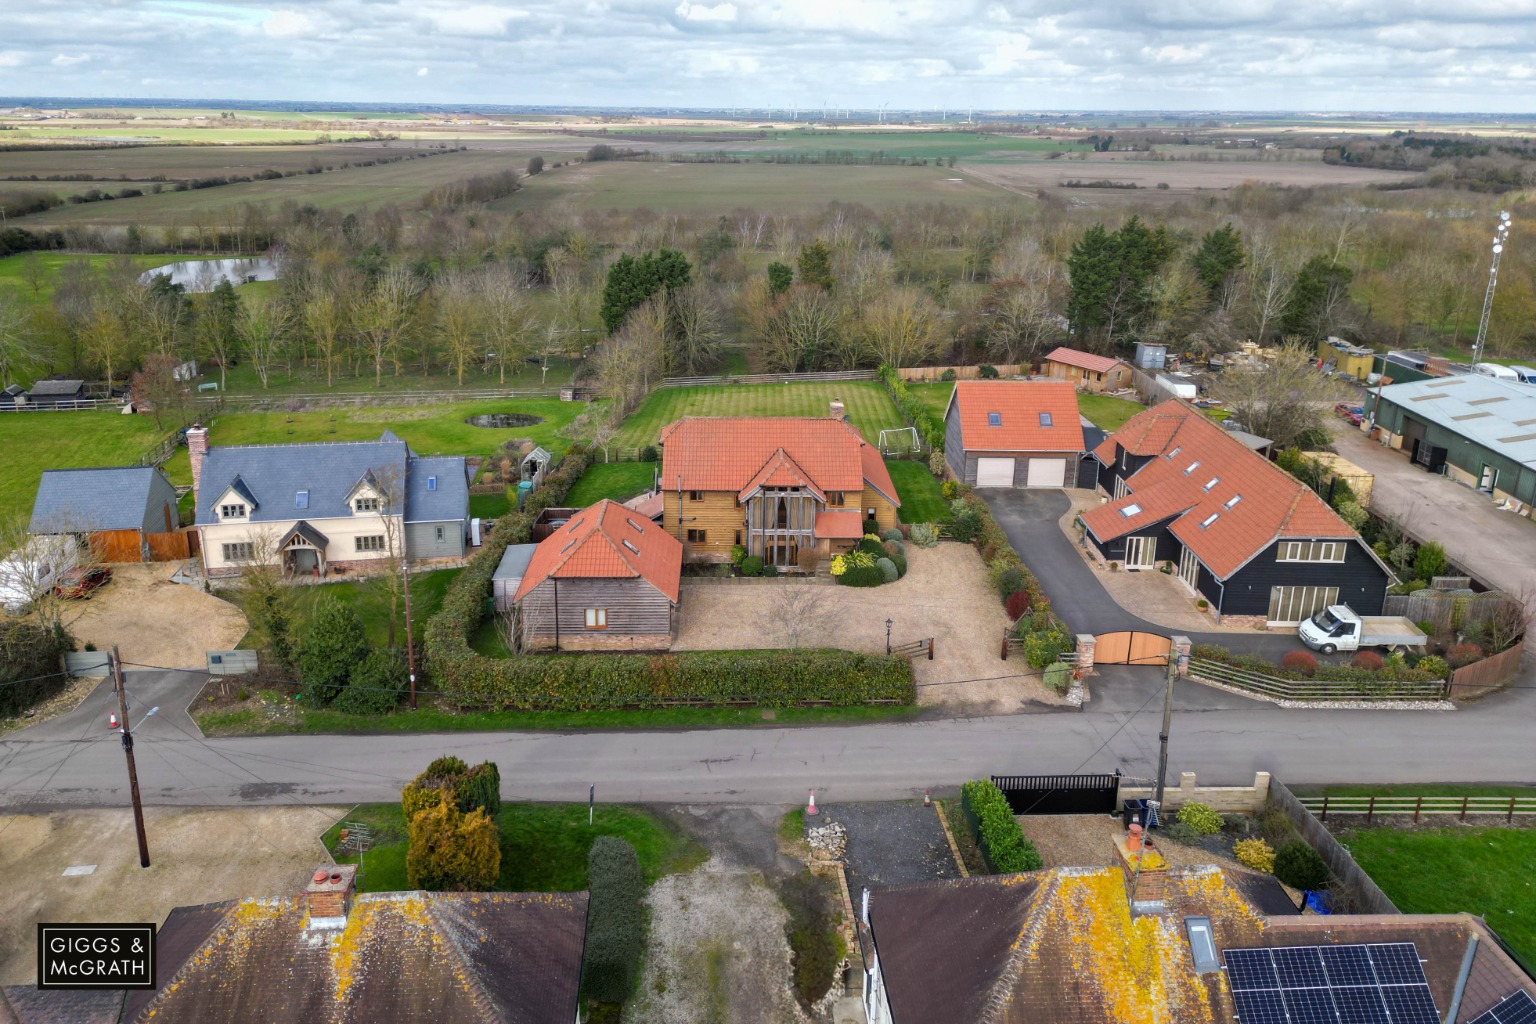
[234, 510]
[366, 504]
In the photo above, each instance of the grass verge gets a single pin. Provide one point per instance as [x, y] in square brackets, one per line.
[543, 846]
[921, 499]
[1483, 871]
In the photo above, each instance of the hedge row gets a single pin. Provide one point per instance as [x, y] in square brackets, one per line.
[615, 920]
[998, 833]
[29, 664]
[928, 425]
[580, 682]
[1394, 669]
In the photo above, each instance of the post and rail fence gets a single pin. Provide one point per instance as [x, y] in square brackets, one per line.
[1313, 689]
[1418, 806]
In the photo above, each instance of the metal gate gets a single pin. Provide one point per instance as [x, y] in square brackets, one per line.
[1131, 649]
[1061, 794]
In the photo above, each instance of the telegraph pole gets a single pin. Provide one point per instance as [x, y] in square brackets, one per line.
[1162, 754]
[133, 772]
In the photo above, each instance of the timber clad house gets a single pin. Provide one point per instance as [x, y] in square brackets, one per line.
[318, 508]
[1084, 370]
[778, 486]
[607, 580]
[1014, 433]
[113, 511]
[1240, 531]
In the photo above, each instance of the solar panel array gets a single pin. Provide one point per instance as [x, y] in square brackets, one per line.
[1380, 983]
[1519, 1008]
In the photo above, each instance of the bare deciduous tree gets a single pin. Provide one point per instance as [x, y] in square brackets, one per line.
[796, 612]
[18, 336]
[1282, 399]
[902, 329]
[263, 326]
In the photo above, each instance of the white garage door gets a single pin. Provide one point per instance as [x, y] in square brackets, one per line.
[1047, 472]
[994, 472]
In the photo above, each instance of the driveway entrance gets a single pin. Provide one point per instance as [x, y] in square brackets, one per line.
[1131, 649]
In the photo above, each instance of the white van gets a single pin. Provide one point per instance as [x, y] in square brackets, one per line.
[1525, 373]
[1496, 370]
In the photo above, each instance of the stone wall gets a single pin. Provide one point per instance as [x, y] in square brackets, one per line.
[1226, 799]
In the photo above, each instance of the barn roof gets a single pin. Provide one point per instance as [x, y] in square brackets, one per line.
[727, 453]
[607, 541]
[87, 500]
[1085, 360]
[1018, 416]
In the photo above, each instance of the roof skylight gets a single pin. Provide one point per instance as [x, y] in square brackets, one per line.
[1192, 467]
[994, 419]
[1132, 509]
[1233, 500]
[1210, 519]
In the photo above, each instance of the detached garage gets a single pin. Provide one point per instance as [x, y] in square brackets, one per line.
[1013, 433]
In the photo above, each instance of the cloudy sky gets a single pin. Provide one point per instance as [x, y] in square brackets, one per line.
[1445, 55]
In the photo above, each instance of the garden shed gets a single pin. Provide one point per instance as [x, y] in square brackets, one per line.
[509, 573]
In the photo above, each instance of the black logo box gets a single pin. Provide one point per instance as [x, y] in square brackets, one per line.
[95, 956]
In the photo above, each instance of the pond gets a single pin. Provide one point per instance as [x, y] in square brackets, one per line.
[504, 420]
[204, 275]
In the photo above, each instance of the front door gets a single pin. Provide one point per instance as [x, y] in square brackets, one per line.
[305, 560]
[1189, 570]
[1489, 480]
[1140, 552]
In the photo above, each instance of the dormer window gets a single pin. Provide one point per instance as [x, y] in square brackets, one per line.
[994, 419]
[366, 504]
[234, 510]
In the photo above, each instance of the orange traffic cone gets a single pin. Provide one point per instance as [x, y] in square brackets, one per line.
[112, 720]
[927, 798]
[810, 808]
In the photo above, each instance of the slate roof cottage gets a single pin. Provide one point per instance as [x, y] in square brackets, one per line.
[98, 504]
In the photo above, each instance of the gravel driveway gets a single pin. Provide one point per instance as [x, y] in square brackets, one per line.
[156, 622]
[946, 594]
[891, 844]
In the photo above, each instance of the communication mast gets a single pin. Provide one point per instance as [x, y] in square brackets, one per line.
[1500, 236]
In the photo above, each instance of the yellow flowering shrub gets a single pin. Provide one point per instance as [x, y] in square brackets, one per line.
[1254, 853]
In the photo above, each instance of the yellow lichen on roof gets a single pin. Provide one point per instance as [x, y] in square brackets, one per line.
[1137, 965]
[1210, 890]
[366, 919]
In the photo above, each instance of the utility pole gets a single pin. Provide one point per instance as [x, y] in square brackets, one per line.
[410, 647]
[133, 772]
[1162, 754]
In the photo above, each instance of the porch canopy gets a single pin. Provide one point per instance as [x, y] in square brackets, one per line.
[839, 524]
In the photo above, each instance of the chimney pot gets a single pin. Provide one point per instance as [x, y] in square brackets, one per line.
[329, 895]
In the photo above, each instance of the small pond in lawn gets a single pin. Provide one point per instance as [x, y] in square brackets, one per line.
[504, 420]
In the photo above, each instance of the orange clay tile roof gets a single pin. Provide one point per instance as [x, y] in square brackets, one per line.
[840, 524]
[1086, 360]
[1269, 502]
[607, 541]
[728, 453]
[1019, 405]
[781, 471]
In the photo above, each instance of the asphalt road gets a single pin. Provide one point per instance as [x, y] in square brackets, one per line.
[82, 765]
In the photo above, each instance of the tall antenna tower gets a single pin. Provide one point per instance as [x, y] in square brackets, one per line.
[1500, 236]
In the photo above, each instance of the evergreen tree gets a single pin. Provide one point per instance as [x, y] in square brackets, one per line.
[632, 281]
[1317, 298]
[450, 851]
[1110, 274]
[1220, 255]
[816, 266]
[330, 648]
[780, 277]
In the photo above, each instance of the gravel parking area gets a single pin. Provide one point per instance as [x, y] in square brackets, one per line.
[1088, 840]
[946, 594]
[891, 844]
[154, 621]
[197, 856]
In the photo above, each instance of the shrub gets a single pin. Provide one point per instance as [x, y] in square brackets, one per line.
[900, 562]
[998, 833]
[1254, 853]
[806, 559]
[1179, 832]
[1017, 604]
[738, 553]
[752, 565]
[376, 685]
[1201, 818]
[1430, 561]
[1202, 604]
[893, 547]
[1058, 677]
[470, 788]
[1275, 825]
[936, 464]
[1463, 654]
[1434, 665]
[770, 569]
[948, 375]
[870, 544]
[892, 534]
[1352, 512]
[949, 490]
[1299, 661]
[1045, 647]
[648, 453]
[1368, 660]
[450, 851]
[615, 920]
[964, 523]
[1010, 581]
[328, 649]
[924, 535]
[1300, 867]
[887, 569]
[986, 371]
[862, 576]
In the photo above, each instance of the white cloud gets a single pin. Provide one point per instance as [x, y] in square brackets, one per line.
[1006, 55]
[287, 24]
[69, 60]
[703, 63]
[699, 12]
[421, 72]
[474, 20]
[1174, 53]
[13, 58]
[928, 67]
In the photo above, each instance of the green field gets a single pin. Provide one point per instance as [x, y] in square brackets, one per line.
[767, 188]
[543, 846]
[36, 441]
[142, 163]
[868, 405]
[921, 499]
[15, 271]
[370, 600]
[1107, 413]
[1482, 871]
[619, 481]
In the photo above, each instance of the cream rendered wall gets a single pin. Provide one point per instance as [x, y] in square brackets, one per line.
[339, 532]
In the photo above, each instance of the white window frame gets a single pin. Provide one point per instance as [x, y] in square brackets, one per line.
[365, 504]
[1312, 551]
[233, 510]
[239, 551]
[368, 542]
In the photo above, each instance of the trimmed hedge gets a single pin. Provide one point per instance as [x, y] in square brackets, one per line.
[615, 920]
[928, 425]
[1394, 669]
[998, 833]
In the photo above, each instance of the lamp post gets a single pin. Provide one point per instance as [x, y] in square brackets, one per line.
[1500, 236]
[887, 636]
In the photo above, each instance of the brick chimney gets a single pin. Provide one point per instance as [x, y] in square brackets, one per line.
[329, 895]
[1146, 888]
[197, 450]
[838, 410]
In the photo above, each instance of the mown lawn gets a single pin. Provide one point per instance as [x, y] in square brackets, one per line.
[868, 405]
[1482, 871]
[1107, 413]
[933, 394]
[921, 499]
[543, 846]
[489, 506]
[35, 441]
[617, 480]
[370, 599]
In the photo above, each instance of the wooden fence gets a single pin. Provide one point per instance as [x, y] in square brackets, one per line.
[162, 450]
[766, 378]
[1418, 806]
[961, 372]
[358, 399]
[172, 547]
[1312, 689]
[1485, 676]
[1364, 893]
[68, 405]
[1450, 611]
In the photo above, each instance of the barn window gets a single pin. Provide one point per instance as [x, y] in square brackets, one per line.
[597, 618]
